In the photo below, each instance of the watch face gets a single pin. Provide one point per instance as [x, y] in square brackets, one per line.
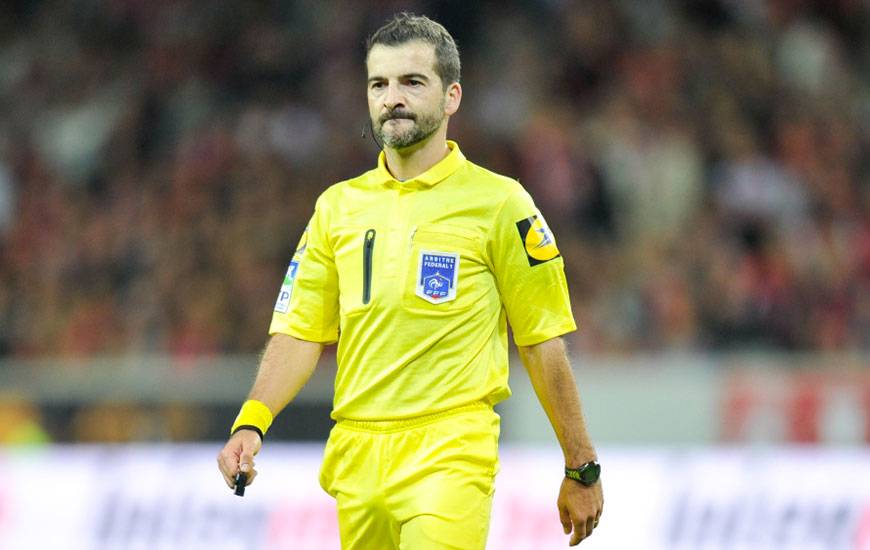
[590, 473]
[587, 474]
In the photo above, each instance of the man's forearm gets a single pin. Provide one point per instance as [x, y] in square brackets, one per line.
[285, 367]
[553, 380]
[287, 364]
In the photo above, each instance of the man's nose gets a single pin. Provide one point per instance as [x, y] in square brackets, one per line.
[393, 97]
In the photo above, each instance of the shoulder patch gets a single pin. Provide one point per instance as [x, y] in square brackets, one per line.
[537, 239]
[283, 302]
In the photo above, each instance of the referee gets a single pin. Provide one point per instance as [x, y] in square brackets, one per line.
[416, 268]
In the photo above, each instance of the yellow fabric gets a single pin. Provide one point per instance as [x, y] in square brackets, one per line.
[253, 413]
[421, 484]
[401, 355]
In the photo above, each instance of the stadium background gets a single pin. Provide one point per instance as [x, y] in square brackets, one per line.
[704, 166]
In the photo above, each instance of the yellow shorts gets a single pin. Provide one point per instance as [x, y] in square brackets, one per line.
[415, 484]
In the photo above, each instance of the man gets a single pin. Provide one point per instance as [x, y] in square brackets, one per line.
[415, 268]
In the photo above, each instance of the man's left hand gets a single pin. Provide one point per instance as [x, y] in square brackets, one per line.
[579, 508]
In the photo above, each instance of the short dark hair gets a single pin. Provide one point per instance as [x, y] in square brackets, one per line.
[407, 27]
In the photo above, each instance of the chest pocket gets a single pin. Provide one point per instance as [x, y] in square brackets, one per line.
[445, 273]
[356, 257]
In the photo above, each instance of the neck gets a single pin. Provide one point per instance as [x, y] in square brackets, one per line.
[408, 163]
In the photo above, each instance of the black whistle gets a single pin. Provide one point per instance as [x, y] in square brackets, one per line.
[241, 481]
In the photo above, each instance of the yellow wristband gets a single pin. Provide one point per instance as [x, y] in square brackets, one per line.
[255, 414]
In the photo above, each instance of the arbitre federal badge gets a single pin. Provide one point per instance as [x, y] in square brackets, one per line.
[437, 275]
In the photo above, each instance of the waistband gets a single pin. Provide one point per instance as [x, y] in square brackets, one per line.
[385, 426]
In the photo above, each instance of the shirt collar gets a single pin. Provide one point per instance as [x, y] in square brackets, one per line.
[437, 173]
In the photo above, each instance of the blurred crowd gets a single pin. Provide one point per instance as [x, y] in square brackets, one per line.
[704, 165]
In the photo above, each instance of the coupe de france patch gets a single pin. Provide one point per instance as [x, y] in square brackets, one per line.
[437, 275]
[537, 239]
[287, 288]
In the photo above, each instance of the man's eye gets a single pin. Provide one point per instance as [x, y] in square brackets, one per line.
[415, 83]
[377, 85]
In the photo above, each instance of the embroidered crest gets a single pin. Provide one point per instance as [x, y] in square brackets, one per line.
[287, 288]
[437, 275]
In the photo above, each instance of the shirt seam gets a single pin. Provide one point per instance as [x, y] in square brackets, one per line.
[493, 225]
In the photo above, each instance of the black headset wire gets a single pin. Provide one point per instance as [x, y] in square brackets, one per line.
[371, 132]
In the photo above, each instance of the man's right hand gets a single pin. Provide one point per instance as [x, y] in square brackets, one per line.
[238, 455]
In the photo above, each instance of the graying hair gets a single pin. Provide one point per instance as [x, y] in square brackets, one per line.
[407, 27]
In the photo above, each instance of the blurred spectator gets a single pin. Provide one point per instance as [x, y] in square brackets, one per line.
[704, 164]
[20, 422]
[122, 422]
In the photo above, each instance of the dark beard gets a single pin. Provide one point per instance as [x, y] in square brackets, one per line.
[424, 126]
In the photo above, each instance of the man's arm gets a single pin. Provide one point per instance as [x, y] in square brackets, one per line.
[551, 376]
[285, 367]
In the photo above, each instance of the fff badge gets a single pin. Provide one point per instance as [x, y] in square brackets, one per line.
[437, 275]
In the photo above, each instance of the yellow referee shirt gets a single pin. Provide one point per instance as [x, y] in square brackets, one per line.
[417, 280]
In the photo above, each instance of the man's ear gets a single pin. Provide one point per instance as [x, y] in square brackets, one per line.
[452, 98]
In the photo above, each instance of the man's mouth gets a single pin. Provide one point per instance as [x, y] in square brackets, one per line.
[388, 118]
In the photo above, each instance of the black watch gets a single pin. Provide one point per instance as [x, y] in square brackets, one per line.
[587, 474]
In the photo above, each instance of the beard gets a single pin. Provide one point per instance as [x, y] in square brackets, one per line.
[422, 127]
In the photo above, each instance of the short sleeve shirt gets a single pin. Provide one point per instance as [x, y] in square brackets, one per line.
[417, 280]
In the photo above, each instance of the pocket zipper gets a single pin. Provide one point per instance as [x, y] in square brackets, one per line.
[368, 250]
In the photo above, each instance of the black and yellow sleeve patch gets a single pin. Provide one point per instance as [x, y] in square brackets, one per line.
[538, 240]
